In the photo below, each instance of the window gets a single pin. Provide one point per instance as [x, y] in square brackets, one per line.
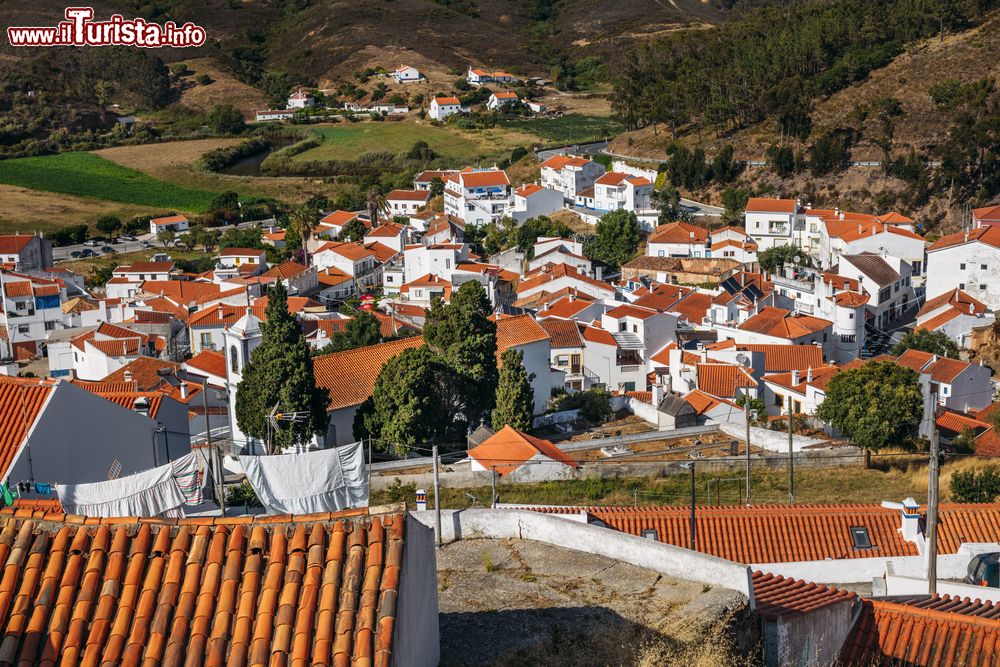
[649, 534]
[234, 360]
[860, 537]
[848, 338]
[660, 253]
[961, 286]
[982, 267]
[961, 267]
[982, 286]
[49, 326]
[622, 326]
[206, 340]
[630, 386]
[23, 329]
[850, 316]
[779, 400]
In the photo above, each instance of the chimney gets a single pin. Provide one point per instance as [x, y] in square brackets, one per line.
[809, 375]
[572, 297]
[795, 378]
[128, 375]
[911, 520]
[141, 406]
[657, 391]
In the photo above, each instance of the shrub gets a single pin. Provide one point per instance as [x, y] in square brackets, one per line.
[976, 486]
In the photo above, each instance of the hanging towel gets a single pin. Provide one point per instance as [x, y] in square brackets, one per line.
[43, 488]
[145, 494]
[328, 480]
[9, 494]
[190, 479]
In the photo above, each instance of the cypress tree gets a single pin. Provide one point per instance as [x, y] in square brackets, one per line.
[280, 371]
[515, 398]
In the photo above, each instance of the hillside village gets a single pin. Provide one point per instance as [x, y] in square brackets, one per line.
[693, 335]
[474, 371]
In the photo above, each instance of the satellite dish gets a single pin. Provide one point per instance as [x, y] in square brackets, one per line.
[743, 360]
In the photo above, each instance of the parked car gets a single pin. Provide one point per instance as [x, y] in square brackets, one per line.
[108, 249]
[87, 252]
[92, 243]
[75, 254]
[128, 237]
[984, 570]
[147, 244]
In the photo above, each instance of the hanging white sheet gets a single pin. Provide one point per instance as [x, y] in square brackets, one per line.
[327, 480]
[145, 494]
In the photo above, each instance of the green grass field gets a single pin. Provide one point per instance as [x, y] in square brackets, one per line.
[345, 141]
[87, 175]
[572, 128]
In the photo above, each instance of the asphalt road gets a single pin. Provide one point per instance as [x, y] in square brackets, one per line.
[63, 253]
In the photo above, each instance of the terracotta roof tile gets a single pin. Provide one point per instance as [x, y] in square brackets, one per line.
[756, 204]
[208, 361]
[941, 369]
[722, 380]
[350, 376]
[990, 235]
[518, 330]
[566, 307]
[146, 372]
[21, 403]
[678, 233]
[508, 449]
[768, 534]
[11, 244]
[782, 323]
[315, 589]
[564, 333]
[776, 596]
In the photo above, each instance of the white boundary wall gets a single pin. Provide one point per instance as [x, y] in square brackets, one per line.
[551, 529]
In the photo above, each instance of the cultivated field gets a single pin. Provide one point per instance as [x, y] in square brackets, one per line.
[572, 128]
[88, 175]
[345, 141]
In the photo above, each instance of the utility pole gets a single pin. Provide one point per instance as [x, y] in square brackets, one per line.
[791, 456]
[746, 408]
[370, 468]
[692, 542]
[493, 479]
[932, 515]
[437, 498]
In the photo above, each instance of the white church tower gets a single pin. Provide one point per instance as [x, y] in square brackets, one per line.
[241, 340]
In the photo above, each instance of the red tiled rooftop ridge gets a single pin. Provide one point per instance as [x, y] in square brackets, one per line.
[286, 590]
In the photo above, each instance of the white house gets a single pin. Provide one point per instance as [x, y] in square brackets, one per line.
[958, 384]
[968, 261]
[552, 278]
[355, 260]
[955, 314]
[478, 76]
[500, 99]
[390, 234]
[405, 202]
[986, 216]
[570, 174]
[839, 237]
[126, 279]
[99, 352]
[514, 455]
[406, 74]
[781, 327]
[268, 115]
[478, 196]
[25, 252]
[300, 99]
[532, 200]
[887, 279]
[442, 107]
[677, 239]
[172, 223]
[614, 191]
[774, 222]
[440, 259]
[32, 308]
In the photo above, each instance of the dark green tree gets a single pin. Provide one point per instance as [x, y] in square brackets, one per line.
[877, 405]
[462, 334]
[616, 240]
[361, 330]
[774, 258]
[934, 342]
[108, 224]
[515, 398]
[412, 403]
[782, 160]
[668, 201]
[280, 372]
[226, 119]
[354, 230]
[976, 486]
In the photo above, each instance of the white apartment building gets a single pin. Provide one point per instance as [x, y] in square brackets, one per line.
[440, 259]
[570, 174]
[968, 261]
[478, 197]
[532, 200]
[614, 191]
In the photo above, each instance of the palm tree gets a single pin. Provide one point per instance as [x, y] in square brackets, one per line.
[377, 203]
[301, 222]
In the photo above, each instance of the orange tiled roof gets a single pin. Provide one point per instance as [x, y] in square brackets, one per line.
[169, 219]
[786, 357]
[901, 634]
[147, 372]
[11, 244]
[564, 333]
[183, 292]
[941, 369]
[768, 534]
[285, 270]
[662, 296]
[723, 380]
[145, 267]
[409, 195]
[489, 177]
[350, 376]
[679, 232]
[559, 162]
[693, 308]
[957, 422]
[631, 310]
[566, 307]
[21, 402]
[758, 205]
[129, 399]
[311, 589]
[702, 402]
[550, 272]
[444, 101]
[351, 251]
[987, 443]
[208, 361]
[508, 449]
[776, 596]
[990, 235]
[333, 277]
[955, 298]
[338, 218]
[782, 323]
[517, 330]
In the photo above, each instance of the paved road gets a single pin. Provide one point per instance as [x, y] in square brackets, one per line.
[592, 148]
[698, 208]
